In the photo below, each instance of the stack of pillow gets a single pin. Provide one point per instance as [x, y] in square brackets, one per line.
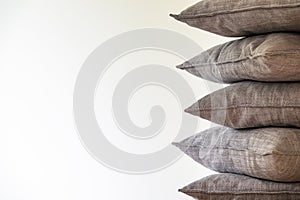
[257, 147]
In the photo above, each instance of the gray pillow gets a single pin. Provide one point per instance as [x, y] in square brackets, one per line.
[269, 58]
[251, 104]
[266, 153]
[238, 187]
[243, 17]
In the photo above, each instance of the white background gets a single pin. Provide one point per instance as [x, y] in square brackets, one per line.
[42, 47]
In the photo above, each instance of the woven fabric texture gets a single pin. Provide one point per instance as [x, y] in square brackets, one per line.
[266, 153]
[267, 58]
[238, 187]
[251, 104]
[243, 17]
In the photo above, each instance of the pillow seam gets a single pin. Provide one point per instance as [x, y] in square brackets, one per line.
[238, 193]
[244, 106]
[253, 58]
[214, 14]
[251, 150]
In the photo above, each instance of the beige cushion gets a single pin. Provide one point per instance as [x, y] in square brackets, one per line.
[251, 104]
[243, 17]
[238, 187]
[266, 153]
[269, 58]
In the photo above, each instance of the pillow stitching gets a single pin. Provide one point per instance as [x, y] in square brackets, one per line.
[182, 16]
[278, 52]
[251, 150]
[191, 191]
[244, 106]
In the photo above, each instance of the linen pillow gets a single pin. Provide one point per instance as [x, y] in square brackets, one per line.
[268, 58]
[251, 104]
[266, 153]
[243, 17]
[234, 187]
